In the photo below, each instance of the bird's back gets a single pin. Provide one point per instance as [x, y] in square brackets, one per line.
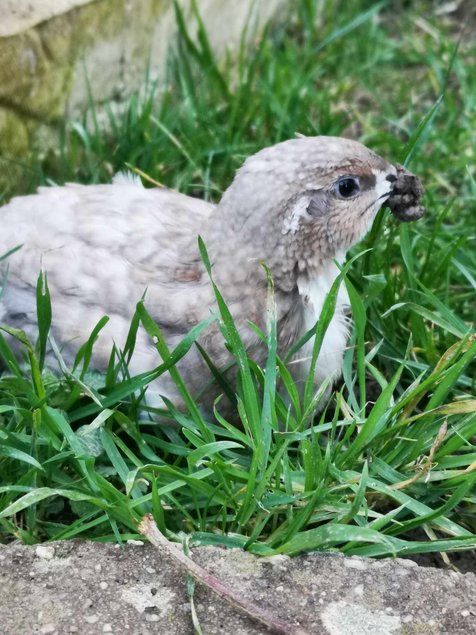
[101, 247]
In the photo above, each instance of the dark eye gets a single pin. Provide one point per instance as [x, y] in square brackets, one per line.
[347, 187]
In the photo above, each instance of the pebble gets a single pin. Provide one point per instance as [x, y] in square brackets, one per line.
[152, 617]
[91, 619]
[45, 552]
[359, 564]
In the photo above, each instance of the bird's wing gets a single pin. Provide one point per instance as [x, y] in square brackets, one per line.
[102, 247]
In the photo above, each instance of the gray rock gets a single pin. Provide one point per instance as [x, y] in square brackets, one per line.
[92, 588]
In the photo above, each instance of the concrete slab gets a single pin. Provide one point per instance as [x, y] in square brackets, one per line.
[91, 588]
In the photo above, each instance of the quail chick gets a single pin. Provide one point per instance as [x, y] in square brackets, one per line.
[297, 206]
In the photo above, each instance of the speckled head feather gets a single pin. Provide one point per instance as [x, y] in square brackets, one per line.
[305, 201]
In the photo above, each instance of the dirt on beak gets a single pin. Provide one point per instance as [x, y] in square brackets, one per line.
[405, 200]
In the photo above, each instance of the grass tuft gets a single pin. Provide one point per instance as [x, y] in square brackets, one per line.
[388, 465]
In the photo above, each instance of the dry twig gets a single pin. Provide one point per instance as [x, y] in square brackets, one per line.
[274, 624]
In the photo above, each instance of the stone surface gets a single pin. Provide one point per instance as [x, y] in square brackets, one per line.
[92, 588]
[57, 55]
[18, 15]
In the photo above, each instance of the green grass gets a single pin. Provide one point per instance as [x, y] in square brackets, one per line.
[389, 466]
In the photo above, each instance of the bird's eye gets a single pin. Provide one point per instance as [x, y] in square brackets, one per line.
[347, 187]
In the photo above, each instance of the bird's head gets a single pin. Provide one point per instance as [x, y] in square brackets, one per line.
[307, 200]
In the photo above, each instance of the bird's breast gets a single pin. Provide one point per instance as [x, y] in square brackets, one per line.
[313, 292]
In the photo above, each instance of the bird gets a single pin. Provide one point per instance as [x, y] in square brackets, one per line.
[297, 206]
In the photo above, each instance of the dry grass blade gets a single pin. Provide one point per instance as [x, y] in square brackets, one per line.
[428, 461]
[144, 175]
